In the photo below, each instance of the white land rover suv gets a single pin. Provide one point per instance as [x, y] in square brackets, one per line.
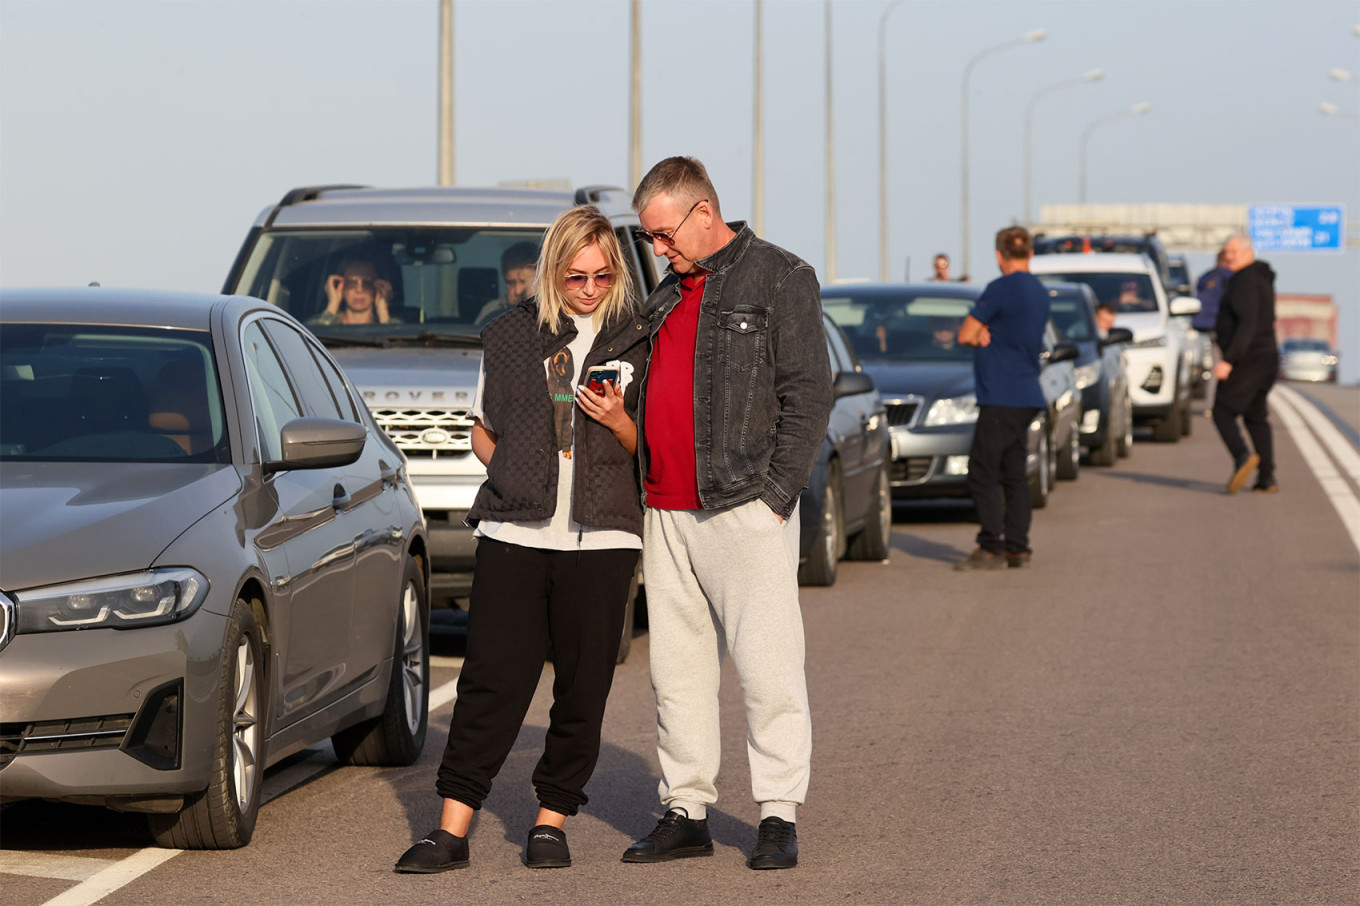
[441, 253]
[1161, 358]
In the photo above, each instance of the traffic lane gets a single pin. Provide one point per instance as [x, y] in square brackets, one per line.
[1343, 403]
[1161, 708]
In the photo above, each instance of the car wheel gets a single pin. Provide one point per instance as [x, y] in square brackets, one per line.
[1125, 446]
[875, 541]
[223, 815]
[827, 547]
[1187, 419]
[1168, 430]
[1069, 463]
[1042, 482]
[1104, 455]
[396, 736]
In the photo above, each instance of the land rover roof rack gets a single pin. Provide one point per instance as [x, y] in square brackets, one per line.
[591, 194]
[304, 193]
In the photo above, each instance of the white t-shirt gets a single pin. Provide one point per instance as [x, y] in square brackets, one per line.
[561, 532]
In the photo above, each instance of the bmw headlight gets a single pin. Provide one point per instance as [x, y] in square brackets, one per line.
[1149, 343]
[1087, 374]
[114, 602]
[958, 410]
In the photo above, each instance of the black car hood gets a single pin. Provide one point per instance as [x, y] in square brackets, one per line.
[931, 380]
[75, 520]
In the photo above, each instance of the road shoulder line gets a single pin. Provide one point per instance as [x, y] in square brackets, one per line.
[102, 883]
[1337, 489]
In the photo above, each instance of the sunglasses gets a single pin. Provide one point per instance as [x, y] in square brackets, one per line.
[361, 283]
[603, 280]
[667, 237]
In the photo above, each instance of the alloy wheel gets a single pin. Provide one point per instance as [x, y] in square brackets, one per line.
[245, 744]
[412, 657]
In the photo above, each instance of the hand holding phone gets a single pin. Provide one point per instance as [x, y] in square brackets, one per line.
[597, 376]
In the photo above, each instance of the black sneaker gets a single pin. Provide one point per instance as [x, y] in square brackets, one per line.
[1018, 559]
[981, 559]
[438, 851]
[1268, 488]
[676, 836]
[777, 845]
[547, 848]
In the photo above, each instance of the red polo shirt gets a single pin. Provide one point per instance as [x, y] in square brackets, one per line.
[669, 430]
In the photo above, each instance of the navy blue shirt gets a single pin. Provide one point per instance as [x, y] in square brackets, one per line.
[1210, 289]
[1006, 371]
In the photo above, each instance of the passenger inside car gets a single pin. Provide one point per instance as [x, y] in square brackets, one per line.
[518, 265]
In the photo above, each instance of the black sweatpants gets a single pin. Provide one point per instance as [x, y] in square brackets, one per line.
[522, 599]
[1244, 394]
[996, 477]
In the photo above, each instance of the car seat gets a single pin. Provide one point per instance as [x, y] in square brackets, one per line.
[179, 406]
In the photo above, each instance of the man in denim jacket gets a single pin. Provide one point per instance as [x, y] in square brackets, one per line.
[733, 413]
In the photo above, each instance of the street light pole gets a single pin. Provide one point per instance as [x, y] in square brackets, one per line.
[1093, 75]
[635, 100]
[1037, 35]
[445, 150]
[882, 143]
[1136, 110]
[830, 164]
[758, 141]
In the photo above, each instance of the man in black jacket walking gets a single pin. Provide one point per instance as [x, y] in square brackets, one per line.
[1246, 335]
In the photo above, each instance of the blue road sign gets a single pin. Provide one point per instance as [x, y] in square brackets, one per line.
[1297, 228]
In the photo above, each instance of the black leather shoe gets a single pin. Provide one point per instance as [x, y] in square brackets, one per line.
[547, 848]
[1018, 559]
[777, 845]
[676, 836]
[438, 851]
[981, 559]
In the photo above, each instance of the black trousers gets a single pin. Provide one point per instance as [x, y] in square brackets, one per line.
[996, 477]
[523, 599]
[1244, 394]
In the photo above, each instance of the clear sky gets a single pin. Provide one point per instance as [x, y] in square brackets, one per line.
[138, 140]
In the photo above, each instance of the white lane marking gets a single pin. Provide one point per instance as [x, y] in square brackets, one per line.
[45, 865]
[102, 883]
[1346, 455]
[443, 695]
[1333, 484]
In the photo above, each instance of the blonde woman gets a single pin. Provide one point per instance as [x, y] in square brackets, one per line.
[559, 525]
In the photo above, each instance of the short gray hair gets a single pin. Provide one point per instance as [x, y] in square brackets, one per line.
[682, 178]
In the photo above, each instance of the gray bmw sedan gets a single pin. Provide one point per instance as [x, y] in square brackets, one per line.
[210, 558]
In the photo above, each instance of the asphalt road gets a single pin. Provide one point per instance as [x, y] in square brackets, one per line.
[1165, 708]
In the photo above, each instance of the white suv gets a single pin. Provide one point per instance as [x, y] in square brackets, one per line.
[1161, 358]
[442, 252]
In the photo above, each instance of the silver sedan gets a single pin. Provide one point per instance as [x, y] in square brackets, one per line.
[210, 558]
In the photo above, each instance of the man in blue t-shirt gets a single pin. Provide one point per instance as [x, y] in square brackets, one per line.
[1210, 289]
[1007, 327]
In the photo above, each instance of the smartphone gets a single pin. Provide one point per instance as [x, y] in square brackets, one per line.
[596, 377]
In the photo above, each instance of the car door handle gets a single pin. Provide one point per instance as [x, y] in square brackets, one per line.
[388, 474]
[339, 498]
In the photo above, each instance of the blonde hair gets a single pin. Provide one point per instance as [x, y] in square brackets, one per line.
[574, 230]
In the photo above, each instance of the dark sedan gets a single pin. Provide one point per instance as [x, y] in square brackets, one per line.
[1106, 410]
[212, 559]
[846, 509]
[906, 337]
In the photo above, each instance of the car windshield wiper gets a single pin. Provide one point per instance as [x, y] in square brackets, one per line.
[435, 338]
[332, 341]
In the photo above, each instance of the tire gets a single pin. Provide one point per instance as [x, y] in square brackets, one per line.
[874, 541]
[824, 558]
[1124, 446]
[223, 815]
[1105, 454]
[1041, 485]
[396, 736]
[1069, 464]
[1168, 430]
[1187, 419]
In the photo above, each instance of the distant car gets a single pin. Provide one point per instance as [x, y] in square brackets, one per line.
[846, 509]
[1307, 360]
[1183, 284]
[1182, 281]
[212, 559]
[1146, 244]
[905, 336]
[1106, 409]
[1161, 358]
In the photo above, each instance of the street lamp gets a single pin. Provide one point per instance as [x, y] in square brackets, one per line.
[1328, 109]
[883, 144]
[1136, 110]
[1037, 35]
[1094, 75]
[830, 163]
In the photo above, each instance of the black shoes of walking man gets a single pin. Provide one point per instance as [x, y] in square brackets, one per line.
[675, 836]
[985, 559]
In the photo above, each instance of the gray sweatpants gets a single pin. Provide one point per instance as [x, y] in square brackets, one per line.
[727, 581]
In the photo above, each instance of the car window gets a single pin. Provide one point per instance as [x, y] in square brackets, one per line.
[93, 393]
[1070, 316]
[270, 393]
[841, 356]
[311, 385]
[348, 411]
[900, 326]
[1127, 292]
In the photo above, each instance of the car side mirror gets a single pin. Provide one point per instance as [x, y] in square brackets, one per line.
[1182, 289]
[1063, 352]
[849, 383]
[318, 443]
[1116, 335]
[1184, 305]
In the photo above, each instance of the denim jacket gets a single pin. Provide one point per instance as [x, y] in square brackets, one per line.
[762, 379]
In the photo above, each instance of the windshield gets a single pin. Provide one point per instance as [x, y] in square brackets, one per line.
[85, 393]
[1070, 316]
[381, 285]
[901, 326]
[1126, 292]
